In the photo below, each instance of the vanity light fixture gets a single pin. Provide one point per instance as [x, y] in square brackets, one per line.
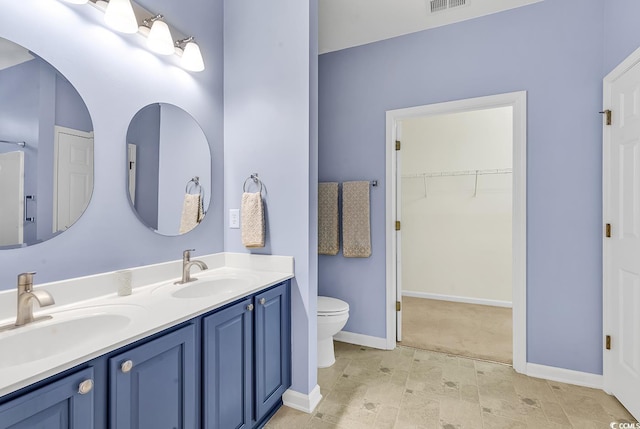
[122, 16]
[159, 38]
[119, 15]
[189, 51]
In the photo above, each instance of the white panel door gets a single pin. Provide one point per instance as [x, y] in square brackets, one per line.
[622, 249]
[11, 198]
[73, 176]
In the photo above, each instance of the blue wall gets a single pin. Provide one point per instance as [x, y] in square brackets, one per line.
[116, 76]
[554, 51]
[270, 129]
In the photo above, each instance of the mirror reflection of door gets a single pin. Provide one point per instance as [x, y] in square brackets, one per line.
[11, 198]
[131, 158]
[73, 175]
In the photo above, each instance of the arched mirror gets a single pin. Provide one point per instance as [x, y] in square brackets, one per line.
[169, 169]
[46, 149]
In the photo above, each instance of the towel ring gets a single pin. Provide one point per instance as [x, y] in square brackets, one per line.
[194, 184]
[255, 179]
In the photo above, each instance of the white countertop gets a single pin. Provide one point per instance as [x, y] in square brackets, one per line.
[60, 343]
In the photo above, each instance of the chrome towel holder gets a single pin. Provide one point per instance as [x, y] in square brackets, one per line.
[256, 181]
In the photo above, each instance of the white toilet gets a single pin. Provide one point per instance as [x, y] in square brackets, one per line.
[332, 316]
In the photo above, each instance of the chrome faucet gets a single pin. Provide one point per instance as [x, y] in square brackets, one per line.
[187, 263]
[26, 295]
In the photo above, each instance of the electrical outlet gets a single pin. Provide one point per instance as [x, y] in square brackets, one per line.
[234, 218]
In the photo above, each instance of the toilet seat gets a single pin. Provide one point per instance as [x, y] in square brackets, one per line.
[331, 306]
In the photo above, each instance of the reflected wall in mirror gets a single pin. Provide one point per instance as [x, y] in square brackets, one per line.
[46, 149]
[169, 169]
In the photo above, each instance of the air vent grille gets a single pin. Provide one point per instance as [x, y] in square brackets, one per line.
[440, 5]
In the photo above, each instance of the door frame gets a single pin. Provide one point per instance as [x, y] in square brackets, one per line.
[607, 315]
[517, 100]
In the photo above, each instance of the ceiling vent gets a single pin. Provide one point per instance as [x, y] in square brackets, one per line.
[440, 5]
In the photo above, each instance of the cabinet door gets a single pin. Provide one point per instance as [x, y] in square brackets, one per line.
[227, 367]
[154, 385]
[273, 344]
[58, 405]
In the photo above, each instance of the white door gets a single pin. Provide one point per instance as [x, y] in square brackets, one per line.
[11, 198]
[399, 233]
[131, 153]
[621, 189]
[73, 176]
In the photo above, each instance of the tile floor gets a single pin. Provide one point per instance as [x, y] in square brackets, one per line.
[409, 388]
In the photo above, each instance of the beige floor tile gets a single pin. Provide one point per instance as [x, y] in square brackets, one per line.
[419, 409]
[386, 417]
[287, 418]
[460, 415]
[497, 422]
[416, 389]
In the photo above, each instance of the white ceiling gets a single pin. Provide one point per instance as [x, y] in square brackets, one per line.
[347, 23]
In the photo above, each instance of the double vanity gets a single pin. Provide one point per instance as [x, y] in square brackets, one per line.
[212, 352]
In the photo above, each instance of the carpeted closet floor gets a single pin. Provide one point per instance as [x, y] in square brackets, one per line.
[471, 330]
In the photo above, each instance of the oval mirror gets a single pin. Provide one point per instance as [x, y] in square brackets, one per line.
[169, 169]
[46, 149]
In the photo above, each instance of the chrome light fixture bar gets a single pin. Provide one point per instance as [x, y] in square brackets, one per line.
[122, 16]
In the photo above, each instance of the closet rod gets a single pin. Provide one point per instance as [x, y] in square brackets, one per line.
[458, 173]
[21, 144]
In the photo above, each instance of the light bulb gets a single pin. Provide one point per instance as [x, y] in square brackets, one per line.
[120, 16]
[159, 39]
[192, 58]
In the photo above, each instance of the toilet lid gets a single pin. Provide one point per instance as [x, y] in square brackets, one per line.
[331, 305]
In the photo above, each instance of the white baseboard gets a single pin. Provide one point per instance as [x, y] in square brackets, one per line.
[565, 375]
[463, 299]
[302, 402]
[362, 340]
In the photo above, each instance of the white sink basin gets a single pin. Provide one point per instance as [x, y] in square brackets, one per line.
[64, 331]
[212, 285]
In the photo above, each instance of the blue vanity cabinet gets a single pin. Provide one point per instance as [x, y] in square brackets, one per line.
[67, 403]
[246, 360]
[227, 367]
[154, 385]
[272, 348]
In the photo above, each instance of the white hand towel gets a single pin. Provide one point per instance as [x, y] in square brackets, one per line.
[191, 212]
[252, 216]
[356, 227]
[328, 224]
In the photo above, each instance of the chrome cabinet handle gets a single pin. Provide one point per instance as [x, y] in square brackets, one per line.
[263, 301]
[85, 387]
[126, 366]
[250, 307]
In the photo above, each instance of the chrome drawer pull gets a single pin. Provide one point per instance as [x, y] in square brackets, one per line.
[250, 307]
[263, 301]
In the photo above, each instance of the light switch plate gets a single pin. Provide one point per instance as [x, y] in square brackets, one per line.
[234, 218]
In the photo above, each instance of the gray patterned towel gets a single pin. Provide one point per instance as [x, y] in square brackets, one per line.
[356, 228]
[328, 226]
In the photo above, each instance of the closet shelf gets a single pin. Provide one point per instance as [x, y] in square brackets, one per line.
[458, 173]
